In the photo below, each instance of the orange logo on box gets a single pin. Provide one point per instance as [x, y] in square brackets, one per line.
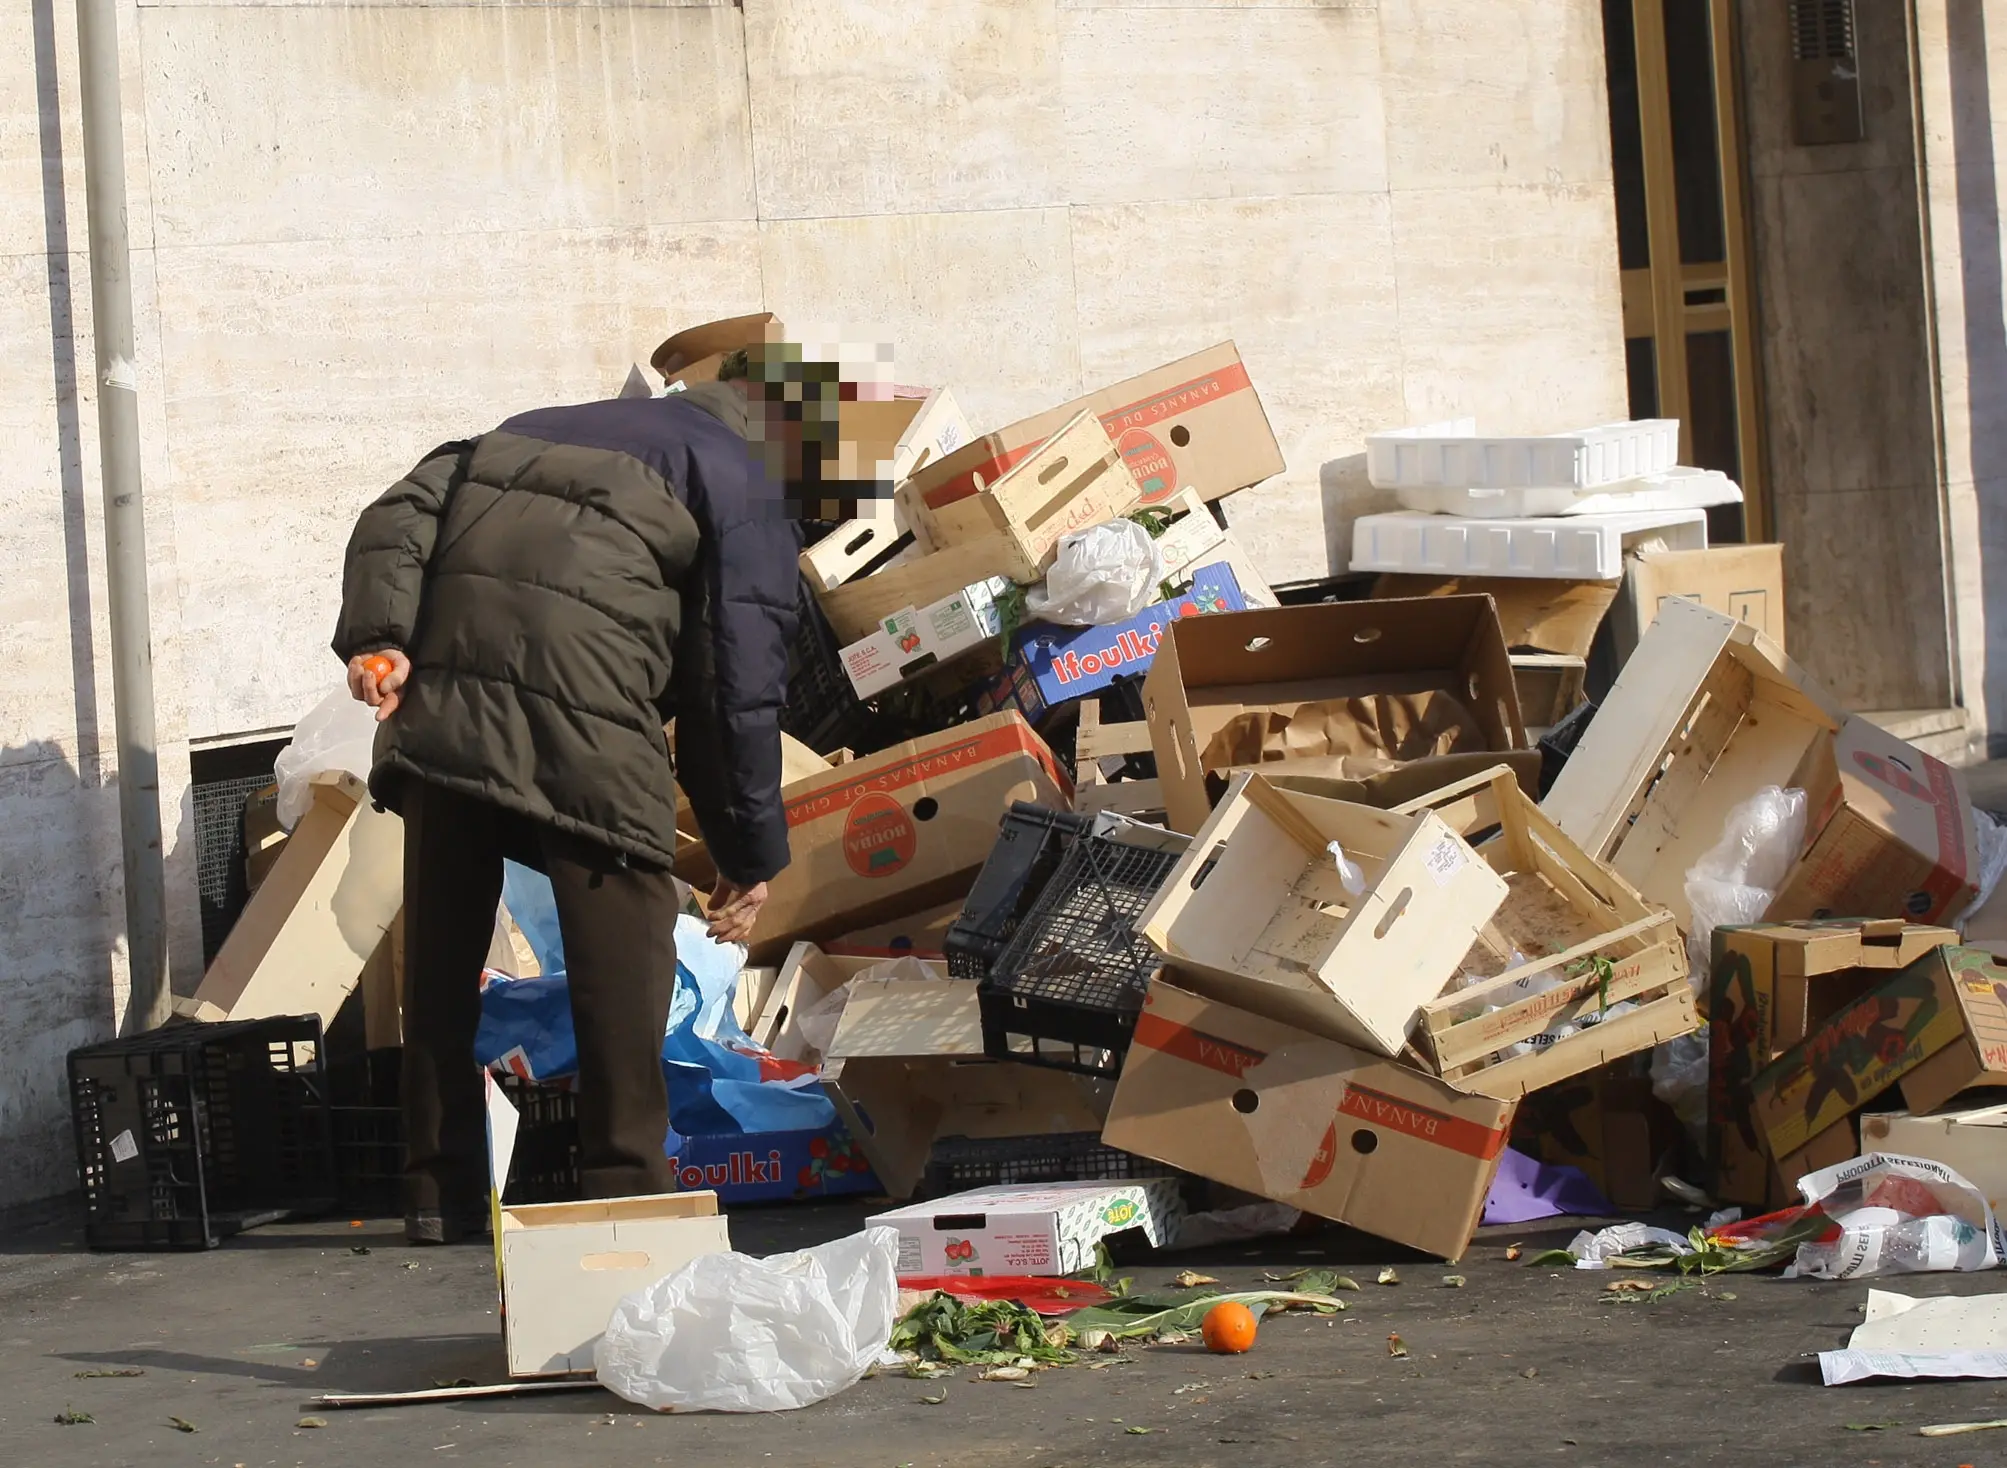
[1319, 1171]
[878, 836]
[1148, 464]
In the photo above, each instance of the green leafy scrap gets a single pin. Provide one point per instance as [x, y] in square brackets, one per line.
[1135, 1317]
[985, 1332]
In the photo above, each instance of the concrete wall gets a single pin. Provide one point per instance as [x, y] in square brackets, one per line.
[1848, 375]
[363, 229]
[1962, 50]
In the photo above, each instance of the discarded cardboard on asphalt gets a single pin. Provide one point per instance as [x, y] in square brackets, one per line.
[300, 945]
[1195, 423]
[1573, 925]
[1890, 832]
[894, 832]
[562, 1267]
[1938, 1026]
[566, 1265]
[1259, 914]
[1031, 1228]
[1706, 713]
[1971, 1141]
[1282, 1114]
[1773, 984]
[907, 1067]
[1402, 681]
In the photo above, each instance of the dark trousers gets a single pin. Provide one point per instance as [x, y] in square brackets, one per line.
[619, 926]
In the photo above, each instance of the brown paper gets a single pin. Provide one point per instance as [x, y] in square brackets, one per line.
[1391, 727]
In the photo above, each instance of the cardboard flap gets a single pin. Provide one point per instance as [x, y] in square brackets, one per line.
[909, 1017]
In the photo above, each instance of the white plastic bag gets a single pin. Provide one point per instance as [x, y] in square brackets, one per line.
[339, 734]
[731, 1333]
[1103, 574]
[1734, 882]
[1897, 1215]
[1737, 880]
[1992, 861]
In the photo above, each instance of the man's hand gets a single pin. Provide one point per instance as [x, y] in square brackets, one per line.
[370, 684]
[734, 909]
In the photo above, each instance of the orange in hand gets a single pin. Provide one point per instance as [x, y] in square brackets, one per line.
[1228, 1328]
[378, 666]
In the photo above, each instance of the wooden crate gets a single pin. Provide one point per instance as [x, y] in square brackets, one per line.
[1549, 686]
[1257, 915]
[1073, 480]
[1562, 911]
[1095, 741]
[1707, 712]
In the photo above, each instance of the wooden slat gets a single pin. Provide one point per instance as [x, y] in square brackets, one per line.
[1124, 797]
[1662, 1020]
[1098, 741]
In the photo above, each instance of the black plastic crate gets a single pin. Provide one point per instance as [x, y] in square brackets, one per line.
[1067, 989]
[1031, 840]
[369, 1160]
[544, 1166]
[961, 1163]
[194, 1132]
[822, 709]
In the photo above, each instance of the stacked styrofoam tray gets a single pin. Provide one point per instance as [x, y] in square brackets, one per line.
[1577, 548]
[1452, 455]
[1675, 489]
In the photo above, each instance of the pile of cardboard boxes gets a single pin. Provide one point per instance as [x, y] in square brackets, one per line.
[1310, 915]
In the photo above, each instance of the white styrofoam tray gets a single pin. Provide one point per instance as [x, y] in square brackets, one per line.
[1574, 548]
[1452, 455]
[1676, 489]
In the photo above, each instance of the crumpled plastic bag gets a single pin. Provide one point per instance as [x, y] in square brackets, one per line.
[1896, 1215]
[1103, 574]
[1737, 880]
[1992, 835]
[1734, 882]
[339, 733]
[731, 1333]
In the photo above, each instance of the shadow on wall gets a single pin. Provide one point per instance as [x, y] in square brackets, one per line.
[63, 368]
[1979, 242]
[59, 907]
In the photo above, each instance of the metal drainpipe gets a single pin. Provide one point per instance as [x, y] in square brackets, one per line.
[125, 517]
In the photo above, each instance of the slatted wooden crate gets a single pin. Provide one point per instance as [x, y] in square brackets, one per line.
[1563, 912]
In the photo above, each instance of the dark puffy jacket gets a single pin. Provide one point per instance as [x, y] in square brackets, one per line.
[563, 586]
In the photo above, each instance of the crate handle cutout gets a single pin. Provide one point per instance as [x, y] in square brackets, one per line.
[1053, 470]
[862, 539]
[1246, 1102]
[1180, 435]
[1364, 1142]
[1068, 493]
[1366, 634]
[630, 1259]
[1205, 868]
[1399, 906]
[961, 1223]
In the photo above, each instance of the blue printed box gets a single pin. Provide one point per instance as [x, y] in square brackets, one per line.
[771, 1167]
[1052, 665]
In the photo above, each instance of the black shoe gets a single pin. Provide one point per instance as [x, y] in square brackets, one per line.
[425, 1227]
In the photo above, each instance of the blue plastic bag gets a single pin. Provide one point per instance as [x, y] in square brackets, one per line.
[720, 1082]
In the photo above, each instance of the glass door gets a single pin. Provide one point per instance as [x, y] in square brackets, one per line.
[1676, 147]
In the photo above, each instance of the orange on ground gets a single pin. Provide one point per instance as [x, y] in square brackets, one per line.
[1228, 1328]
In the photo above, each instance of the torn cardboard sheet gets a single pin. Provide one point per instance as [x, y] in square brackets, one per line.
[1381, 729]
[1906, 1337]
